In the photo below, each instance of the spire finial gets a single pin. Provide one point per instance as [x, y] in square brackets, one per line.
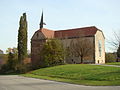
[41, 22]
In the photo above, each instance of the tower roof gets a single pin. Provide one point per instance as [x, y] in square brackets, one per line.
[47, 33]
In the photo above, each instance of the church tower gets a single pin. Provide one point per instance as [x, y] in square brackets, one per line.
[37, 42]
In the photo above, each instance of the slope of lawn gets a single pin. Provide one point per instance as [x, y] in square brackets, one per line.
[80, 74]
[114, 63]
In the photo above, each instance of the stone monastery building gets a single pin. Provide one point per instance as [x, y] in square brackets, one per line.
[92, 33]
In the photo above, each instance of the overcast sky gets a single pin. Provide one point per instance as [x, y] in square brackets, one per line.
[58, 14]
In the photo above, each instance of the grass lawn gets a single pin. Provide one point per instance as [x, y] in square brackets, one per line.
[114, 63]
[83, 74]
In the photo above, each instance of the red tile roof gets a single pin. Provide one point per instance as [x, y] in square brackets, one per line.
[86, 31]
[48, 33]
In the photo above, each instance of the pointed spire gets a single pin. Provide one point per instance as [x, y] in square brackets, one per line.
[41, 22]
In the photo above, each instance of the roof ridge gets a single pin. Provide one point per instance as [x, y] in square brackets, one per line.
[77, 28]
[87, 31]
[46, 29]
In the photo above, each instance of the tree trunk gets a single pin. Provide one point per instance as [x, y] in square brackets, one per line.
[81, 59]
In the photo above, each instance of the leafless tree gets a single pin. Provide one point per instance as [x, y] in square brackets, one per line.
[115, 43]
[81, 47]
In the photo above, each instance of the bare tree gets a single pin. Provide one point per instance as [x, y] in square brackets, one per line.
[115, 42]
[81, 47]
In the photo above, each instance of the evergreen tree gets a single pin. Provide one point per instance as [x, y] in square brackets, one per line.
[53, 52]
[11, 61]
[22, 39]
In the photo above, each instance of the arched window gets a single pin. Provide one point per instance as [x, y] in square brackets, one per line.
[100, 48]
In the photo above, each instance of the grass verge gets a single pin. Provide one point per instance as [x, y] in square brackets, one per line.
[114, 63]
[80, 74]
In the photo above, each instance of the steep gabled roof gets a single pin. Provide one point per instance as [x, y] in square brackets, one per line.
[48, 33]
[86, 31]
[77, 32]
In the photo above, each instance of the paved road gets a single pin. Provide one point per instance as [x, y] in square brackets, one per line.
[14, 82]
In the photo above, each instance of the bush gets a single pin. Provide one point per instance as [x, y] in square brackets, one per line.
[23, 68]
[110, 57]
[53, 53]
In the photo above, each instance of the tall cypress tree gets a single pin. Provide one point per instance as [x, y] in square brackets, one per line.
[22, 39]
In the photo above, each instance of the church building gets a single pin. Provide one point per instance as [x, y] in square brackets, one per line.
[92, 33]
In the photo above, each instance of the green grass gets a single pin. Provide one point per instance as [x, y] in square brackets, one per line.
[114, 63]
[80, 74]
